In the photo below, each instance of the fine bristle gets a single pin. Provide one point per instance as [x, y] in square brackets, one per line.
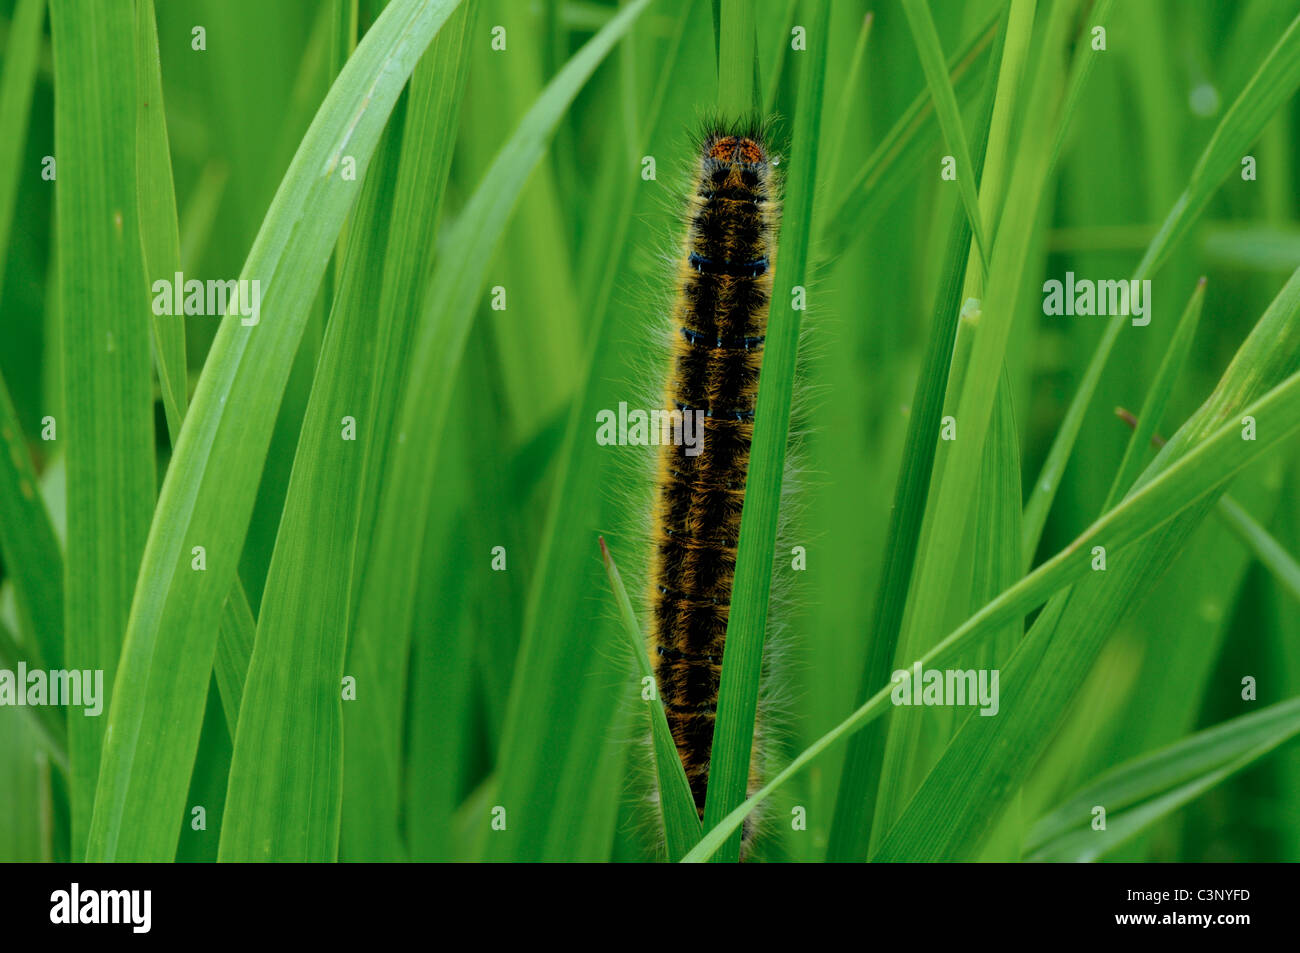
[723, 289]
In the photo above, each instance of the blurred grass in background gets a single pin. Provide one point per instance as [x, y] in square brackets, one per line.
[478, 688]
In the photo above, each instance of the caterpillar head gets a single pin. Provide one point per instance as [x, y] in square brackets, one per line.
[738, 150]
[732, 160]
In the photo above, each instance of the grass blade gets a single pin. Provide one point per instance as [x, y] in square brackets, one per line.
[855, 802]
[1271, 554]
[736, 87]
[160, 242]
[972, 391]
[1142, 791]
[557, 629]
[948, 114]
[439, 342]
[681, 821]
[234, 650]
[159, 232]
[108, 408]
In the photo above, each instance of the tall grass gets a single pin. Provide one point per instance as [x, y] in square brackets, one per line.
[362, 583]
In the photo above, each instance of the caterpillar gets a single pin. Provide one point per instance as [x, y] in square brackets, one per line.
[719, 317]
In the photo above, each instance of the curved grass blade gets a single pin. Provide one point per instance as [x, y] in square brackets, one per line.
[681, 820]
[160, 241]
[1271, 553]
[211, 484]
[948, 113]
[747, 625]
[1144, 790]
[159, 232]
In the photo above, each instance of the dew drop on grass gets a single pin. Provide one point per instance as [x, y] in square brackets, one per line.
[1203, 100]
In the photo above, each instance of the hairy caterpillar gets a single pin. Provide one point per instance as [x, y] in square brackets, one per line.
[719, 315]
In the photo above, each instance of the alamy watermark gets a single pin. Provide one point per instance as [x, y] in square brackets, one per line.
[131, 908]
[946, 687]
[80, 688]
[214, 297]
[1086, 297]
[642, 428]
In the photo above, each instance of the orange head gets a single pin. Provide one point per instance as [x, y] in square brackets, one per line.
[737, 149]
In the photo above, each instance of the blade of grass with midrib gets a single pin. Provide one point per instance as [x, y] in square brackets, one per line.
[159, 233]
[211, 484]
[736, 87]
[107, 424]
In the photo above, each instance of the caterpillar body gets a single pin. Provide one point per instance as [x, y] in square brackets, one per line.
[719, 316]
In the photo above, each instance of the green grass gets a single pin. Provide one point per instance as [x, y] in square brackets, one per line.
[496, 273]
